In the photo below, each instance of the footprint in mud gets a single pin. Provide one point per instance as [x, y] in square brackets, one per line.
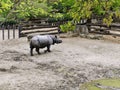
[14, 56]
[9, 70]
[11, 61]
[53, 65]
[71, 76]
[22, 57]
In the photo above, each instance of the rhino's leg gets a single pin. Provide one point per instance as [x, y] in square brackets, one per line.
[37, 50]
[31, 51]
[48, 49]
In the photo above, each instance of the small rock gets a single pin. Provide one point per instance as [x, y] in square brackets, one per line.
[83, 35]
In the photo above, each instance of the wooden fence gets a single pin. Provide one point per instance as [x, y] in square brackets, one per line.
[39, 27]
[113, 29]
[9, 32]
[43, 26]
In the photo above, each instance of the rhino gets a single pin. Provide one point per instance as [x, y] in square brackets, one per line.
[42, 41]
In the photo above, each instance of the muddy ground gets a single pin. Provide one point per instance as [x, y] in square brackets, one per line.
[69, 65]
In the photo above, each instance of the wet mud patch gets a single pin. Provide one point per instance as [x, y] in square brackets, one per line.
[13, 61]
[14, 56]
[73, 77]
[11, 69]
[77, 64]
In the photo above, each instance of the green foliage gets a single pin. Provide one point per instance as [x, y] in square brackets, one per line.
[33, 9]
[69, 26]
[81, 10]
[98, 8]
[60, 10]
[108, 19]
[23, 9]
[88, 8]
[105, 84]
[85, 9]
[5, 6]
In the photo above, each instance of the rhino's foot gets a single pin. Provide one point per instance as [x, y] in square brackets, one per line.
[39, 53]
[32, 55]
[47, 51]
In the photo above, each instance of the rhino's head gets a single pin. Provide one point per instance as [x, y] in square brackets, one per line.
[56, 40]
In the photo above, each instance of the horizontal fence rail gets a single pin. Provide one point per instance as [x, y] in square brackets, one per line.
[113, 29]
[41, 27]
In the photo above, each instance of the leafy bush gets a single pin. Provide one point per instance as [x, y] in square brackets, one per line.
[69, 26]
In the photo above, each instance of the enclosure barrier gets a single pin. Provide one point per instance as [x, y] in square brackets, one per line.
[41, 27]
[9, 31]
[113, 29]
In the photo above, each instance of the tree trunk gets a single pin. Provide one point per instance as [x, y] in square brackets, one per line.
[81, 29]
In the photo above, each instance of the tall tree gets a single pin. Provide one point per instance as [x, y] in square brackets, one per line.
[107, 9]
[21, 9]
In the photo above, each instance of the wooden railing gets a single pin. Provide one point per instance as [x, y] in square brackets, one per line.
[113, 29]
[39, 27]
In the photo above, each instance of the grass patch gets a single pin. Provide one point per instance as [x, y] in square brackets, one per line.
[102, 84]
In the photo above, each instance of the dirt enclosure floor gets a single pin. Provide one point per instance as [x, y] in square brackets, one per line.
[69, 65]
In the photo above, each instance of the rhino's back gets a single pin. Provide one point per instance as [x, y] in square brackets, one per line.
[41, 41]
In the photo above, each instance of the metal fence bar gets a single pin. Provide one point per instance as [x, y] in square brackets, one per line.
[19, 30]
[3, 36]
[10, 32]
[8, 27]
[13, 31]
